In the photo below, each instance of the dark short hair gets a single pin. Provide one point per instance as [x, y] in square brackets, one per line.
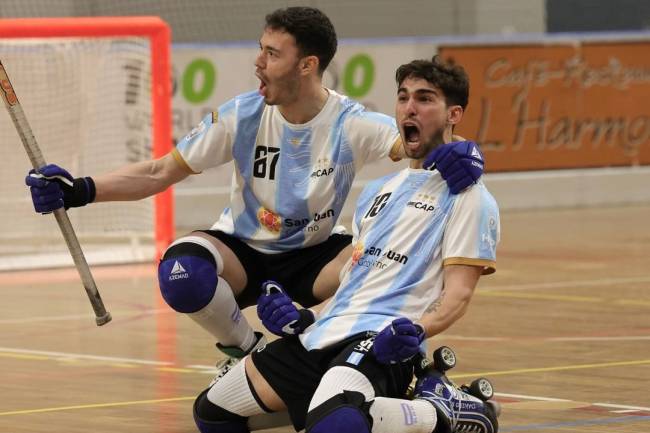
[312, 29]
[447, 76]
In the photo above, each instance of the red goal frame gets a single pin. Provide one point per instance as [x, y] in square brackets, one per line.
[159, 35]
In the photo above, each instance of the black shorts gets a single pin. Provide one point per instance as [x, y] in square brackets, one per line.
[296, 270]
[294, 373]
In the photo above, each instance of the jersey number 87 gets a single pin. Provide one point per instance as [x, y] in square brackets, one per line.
[262, 156]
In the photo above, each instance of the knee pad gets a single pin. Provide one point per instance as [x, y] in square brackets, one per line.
[210, 418]
[344, 413]
[188, 273]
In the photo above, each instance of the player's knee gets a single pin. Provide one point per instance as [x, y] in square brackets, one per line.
[188, 274]
[210, 418]
[344, 413]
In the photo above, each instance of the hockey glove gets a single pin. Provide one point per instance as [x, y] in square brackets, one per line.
[460, 163]
[278, 314]
[398, 342]
[52, 187]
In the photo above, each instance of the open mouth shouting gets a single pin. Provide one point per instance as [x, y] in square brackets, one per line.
[263, 84]
[411, 134]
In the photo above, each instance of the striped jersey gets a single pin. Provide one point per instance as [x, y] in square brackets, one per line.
[406, 227]
[290, 181]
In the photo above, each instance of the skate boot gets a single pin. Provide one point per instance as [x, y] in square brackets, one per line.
[234, 355]
[465, 409]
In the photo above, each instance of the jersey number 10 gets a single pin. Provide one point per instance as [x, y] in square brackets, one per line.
[262, 156]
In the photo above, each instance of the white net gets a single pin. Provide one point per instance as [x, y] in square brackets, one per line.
[88, 102]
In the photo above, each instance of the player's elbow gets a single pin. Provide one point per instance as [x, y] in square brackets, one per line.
[163, 173]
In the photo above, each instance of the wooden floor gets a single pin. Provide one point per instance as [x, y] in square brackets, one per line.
[562, 330]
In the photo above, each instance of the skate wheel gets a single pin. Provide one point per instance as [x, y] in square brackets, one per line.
[444, 359]
[481, 388]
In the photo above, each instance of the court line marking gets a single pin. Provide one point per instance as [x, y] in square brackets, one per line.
[542, 296]
[569, 298]
[121, 314]
[67, 356]
[562, 284]
[620, 338]
[68, 274]
[551, 339]
[206, 369]
[174, 399]
[623, 407]
[597, 421]
[94, 406]
[558, 368]
[203, 369]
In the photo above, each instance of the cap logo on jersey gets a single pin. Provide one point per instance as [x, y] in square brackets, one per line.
[269, 220]
[423, 202]
[322, 168]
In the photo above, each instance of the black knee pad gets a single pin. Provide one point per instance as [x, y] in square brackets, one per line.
[347, 412]
[210, 418]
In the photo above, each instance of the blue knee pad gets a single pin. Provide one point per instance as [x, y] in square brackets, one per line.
[187, 275]
[210, 418]
[344, 413]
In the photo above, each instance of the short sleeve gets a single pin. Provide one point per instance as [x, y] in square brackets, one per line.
[210, 143]
[373, 136]
[473, 230]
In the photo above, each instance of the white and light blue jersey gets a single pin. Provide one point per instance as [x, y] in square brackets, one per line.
[290, 181]
[407, 227]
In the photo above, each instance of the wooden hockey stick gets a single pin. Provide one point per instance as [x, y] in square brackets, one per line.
[36, 157]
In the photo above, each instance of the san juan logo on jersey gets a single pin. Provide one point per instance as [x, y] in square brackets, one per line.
[289, 222]
[269, 220]
[376, 258]
[423, 202]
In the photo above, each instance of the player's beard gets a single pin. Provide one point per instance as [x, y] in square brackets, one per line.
[285, 89]
[425, 147]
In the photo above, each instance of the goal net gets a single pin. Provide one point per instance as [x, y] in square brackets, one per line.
[96, 94]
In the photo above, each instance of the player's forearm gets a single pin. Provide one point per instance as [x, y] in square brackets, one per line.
[451, 305]
[135, 181]
[448, 308]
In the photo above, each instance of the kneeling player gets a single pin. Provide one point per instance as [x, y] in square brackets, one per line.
[418, 254]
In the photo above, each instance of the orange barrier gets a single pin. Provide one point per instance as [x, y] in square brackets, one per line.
[558, 105]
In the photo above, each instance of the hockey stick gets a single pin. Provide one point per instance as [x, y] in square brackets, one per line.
[36, 157]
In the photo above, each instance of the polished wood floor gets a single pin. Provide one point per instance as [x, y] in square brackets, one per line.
[562, 330]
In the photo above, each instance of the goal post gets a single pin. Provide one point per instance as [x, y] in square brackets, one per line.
[97, 91]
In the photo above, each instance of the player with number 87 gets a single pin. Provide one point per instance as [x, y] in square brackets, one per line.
[297, 146]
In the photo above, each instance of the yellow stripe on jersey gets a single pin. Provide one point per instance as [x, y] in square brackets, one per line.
[397, 151]
[179, 159]
[489, 266]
